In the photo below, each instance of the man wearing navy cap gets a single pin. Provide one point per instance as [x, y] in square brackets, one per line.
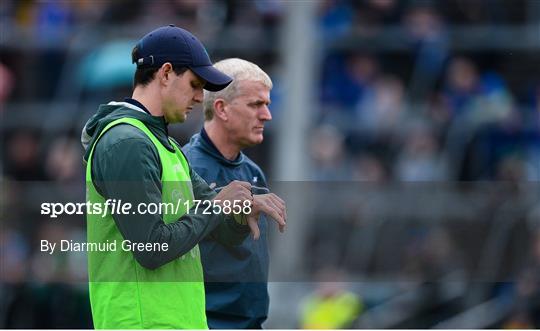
[131, 159]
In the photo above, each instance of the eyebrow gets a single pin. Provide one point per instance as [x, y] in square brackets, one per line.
[259, 102]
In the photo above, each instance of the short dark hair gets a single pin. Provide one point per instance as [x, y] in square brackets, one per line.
[145, 75]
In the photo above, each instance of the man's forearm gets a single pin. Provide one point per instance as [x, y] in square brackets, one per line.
[180, 236]
[229, 232]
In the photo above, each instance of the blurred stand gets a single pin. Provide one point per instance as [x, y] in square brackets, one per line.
[405, 139]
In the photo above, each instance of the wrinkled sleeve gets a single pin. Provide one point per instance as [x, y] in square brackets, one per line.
[229, 232]
[129, 170]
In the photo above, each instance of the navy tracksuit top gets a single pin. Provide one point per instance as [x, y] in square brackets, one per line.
[235, 277]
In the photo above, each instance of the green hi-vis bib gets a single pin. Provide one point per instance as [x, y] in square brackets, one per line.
[125, 295]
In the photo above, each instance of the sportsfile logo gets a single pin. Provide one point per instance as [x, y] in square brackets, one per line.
[110, 206]
[118, 207]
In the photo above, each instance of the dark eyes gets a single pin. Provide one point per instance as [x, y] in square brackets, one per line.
[196, 85]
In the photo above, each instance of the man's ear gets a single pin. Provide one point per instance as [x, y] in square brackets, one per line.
[220, 109]
[164, 72]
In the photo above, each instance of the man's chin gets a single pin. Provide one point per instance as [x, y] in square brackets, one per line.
[257, 140]
[179, 119]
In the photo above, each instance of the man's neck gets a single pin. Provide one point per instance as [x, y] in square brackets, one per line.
[219, 138]
[149, 99]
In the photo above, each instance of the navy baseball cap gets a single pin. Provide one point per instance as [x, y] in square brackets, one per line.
[179, 47]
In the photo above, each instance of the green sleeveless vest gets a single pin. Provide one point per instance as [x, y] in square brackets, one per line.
[125, 295]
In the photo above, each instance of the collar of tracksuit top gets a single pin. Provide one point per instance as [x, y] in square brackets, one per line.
[162, 118]
[137, 104]
[130, 108]
[209, 146]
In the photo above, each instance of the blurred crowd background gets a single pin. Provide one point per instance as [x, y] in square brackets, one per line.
[423, 124]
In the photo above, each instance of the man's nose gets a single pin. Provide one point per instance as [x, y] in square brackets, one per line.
[198, 97]
[265, 114]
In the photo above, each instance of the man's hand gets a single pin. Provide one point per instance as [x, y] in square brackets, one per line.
[271, 205]
[235, 190]
[239, 191]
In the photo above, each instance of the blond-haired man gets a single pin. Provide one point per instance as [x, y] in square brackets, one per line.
[236, 277]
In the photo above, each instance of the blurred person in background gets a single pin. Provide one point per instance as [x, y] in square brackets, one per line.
[372, 15]
[419, 159]
[327, 148]
[369, 168]
[427, 34]
[63, 160]
[23, 162]
[14, 302]
[234, 120]
[518, 320]
[485, 125]
[479, 97]
[131, 158]
[347, 79]
[14, 252]
[383, 107]
[462, 84]
[7, 83]
[53, 22]
[331, 305]
[335, 17]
